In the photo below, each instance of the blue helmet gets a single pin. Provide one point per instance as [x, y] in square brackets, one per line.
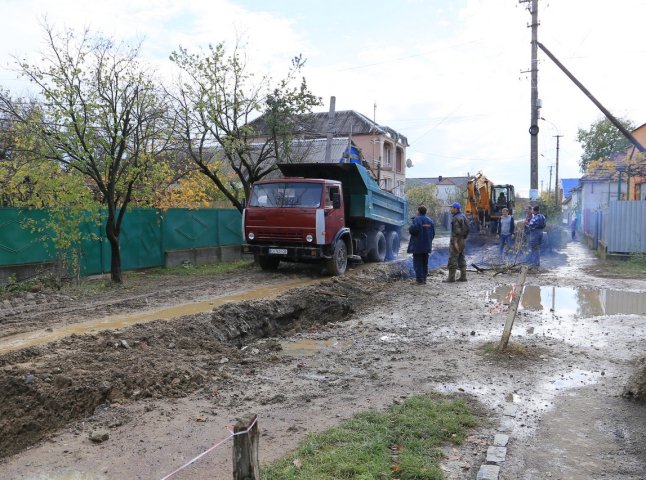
[456, 205]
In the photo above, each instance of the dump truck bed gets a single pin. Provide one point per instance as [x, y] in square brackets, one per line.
[363, 197]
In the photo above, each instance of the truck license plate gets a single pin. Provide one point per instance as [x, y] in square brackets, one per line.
[278, 251]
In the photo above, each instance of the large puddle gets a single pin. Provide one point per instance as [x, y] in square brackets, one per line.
[575, 302]
[16, 342]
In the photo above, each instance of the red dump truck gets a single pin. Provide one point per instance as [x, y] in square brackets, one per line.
[322, 212]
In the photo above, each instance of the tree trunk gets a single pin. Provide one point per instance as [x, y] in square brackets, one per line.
[115, 258]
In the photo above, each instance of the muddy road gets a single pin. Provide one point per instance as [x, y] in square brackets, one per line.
[304, 351]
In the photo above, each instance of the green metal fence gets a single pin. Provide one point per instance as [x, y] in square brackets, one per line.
[146, 234]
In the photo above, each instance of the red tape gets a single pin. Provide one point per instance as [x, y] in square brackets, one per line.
[231, 434]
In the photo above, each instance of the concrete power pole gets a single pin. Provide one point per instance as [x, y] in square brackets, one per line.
[549, 185]
[533, 127]
[557, 197]
[330, 130]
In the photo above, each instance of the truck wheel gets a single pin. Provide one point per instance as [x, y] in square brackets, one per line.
[268, 263]
[392, 245]
[339, 261]
[377, 251]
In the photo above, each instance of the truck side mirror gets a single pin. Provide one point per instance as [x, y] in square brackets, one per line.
[336, 200]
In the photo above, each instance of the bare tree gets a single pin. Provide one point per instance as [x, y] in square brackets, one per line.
[101, 114]
[216, 99]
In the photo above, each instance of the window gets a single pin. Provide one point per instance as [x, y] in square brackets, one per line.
[330, 192]
[388, 150]
[286, 195]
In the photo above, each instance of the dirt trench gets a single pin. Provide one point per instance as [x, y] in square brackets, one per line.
[44, 388]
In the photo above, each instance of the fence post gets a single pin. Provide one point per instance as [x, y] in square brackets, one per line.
[246, 464]
[513, 308]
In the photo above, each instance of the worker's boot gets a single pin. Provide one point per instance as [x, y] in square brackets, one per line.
[451, 278]
[463, 275]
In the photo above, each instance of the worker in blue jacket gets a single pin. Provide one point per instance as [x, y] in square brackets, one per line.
[422, 232]
[535, 226]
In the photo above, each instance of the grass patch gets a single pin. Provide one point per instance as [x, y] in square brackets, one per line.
[633, 266]
[97, 285]
[200, 270]
[360, 448]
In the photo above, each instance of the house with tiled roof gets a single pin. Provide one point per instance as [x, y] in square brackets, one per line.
[381, 148]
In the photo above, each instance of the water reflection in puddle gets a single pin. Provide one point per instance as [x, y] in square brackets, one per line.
[308, 348]
[579, 302]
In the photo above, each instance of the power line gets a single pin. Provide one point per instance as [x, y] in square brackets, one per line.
[407, 57]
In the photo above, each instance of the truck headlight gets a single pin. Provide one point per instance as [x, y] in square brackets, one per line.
[309, 237]
[251, 236]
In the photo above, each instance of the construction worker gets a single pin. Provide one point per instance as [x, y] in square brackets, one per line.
[459, 233]
[535, 226]
[422, 232]
[505, 229]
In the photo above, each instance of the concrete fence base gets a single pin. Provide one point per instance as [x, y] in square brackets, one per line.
[203, 256]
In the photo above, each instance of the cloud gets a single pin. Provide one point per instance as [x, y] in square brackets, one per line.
[451, 76]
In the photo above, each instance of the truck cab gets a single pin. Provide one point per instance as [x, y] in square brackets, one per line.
[295, 219]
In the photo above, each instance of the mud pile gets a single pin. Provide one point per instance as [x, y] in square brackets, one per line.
[636, 387]
[44, 388]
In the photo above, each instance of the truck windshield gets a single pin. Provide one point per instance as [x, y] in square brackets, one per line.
[286, 195]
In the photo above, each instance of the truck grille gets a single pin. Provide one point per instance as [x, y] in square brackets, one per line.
[280, 236]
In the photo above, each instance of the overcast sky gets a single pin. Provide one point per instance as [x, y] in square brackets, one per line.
[448, 74]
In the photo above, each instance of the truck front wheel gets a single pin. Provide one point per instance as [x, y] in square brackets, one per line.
[268, 263]
[339, 261]
[392, 245]
[377, 251]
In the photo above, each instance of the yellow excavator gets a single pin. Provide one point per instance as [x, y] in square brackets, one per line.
[485, 202]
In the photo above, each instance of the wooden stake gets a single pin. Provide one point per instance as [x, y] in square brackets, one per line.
[246, 464]
[513, 308]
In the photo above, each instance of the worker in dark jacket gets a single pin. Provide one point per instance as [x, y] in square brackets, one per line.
[422, 232]
[459, 234]
[535, 226]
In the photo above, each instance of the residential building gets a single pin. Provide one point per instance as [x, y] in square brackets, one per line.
[620, 177]
[570, 203]
[635, 168]
[449, 189]
[381, 149]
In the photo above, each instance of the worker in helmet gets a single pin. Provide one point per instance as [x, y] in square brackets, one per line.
[459, 234]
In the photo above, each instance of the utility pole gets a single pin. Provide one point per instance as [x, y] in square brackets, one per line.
[556, 178]
[330, 130]
[549, 185]
[533, 127]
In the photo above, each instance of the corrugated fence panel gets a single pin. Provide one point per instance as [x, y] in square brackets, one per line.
[230, 230]
[140, 240]
[18, 244]
[625, 227]
[91, 250]
[145, 235]
[186, 228]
